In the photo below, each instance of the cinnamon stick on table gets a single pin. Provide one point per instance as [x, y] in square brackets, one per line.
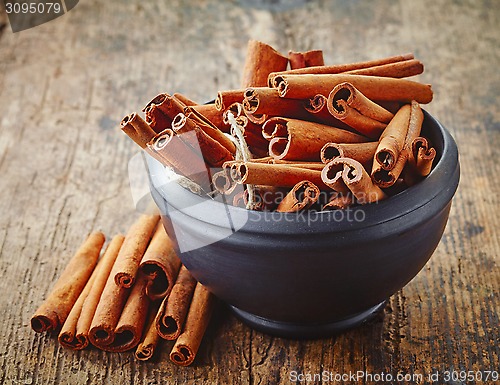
[184, 351]
[67, 336]
[261, 59]
[92, 300]
[160, 264]
[150, 338]
[132, 250]
[174, 308]
[55, 309]
[130, 326]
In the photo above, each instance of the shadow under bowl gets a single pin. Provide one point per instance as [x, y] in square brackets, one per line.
[311, 274]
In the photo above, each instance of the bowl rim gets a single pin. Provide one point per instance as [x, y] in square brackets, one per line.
[431, 189]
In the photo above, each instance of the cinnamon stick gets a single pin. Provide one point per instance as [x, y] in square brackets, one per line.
[154, 116]
[129, 328]
[275, 175]
[184, 99]
[214, 153]
[373, 87]
[160, 264]
[386, 171]
[171, 106]
[184, 351]
[261, 59]
[150, 338]
[266, 101]
[305, 59]
[182, 158]
[137, 129]
[294, 139]
[53, 312]
[400, 69]
[228, 97]
[132, 250]
[92, 300]
[67, 336]
[339, 68]
[302, 196]
[362, 152]
[331, 175]
[359, 182]
[349, 105]
[174, 308]
[211, 113]
[422, 156]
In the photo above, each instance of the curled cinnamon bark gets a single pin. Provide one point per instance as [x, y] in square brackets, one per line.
[373, 87]
[154, 116]
[331, 175]
[275, 175]
[128, 331]
[53, 312]
[359, 182]
[228, 97]
[174, 308]
[184, 351]
[137, 129]
[362, 152]
[184, 99]
[67, 336]
[150, 339]
[305, 59]
[349, 105]
[214, 153]
[339, 68]
[171, 106]
[294, 139]
[422, 156]
[302, 196]
[132, 250]
[260, 61]
[386, 171]
[400, 69]
[174, 152]
[91, 302]
[266, 101]
[210, 112]
[160, 264]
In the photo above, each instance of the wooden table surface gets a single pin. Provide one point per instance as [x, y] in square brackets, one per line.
[64, 87]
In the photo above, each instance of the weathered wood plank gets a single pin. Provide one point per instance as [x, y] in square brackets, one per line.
[65, 85]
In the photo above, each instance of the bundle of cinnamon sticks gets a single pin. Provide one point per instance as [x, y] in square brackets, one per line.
[131, 297]
[300, 133]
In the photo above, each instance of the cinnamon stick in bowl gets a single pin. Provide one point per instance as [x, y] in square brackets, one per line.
[362, 152]
[294, 139]
[373, 87]
[55, 309]
[309, 58]
[261, 59]
[350, 106]
[302, 196]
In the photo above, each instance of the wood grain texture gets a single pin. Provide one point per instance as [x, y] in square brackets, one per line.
[64, 87]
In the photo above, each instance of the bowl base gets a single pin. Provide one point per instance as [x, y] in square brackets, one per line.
[306, 331]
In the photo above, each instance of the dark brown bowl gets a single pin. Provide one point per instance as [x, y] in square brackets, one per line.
[317, 273]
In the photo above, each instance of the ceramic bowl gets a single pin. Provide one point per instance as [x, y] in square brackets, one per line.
[312, 274]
